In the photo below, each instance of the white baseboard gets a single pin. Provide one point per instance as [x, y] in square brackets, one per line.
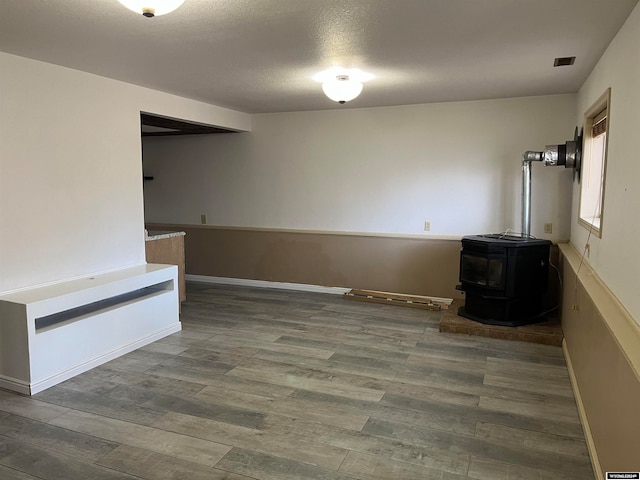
[245, 282]
[591, 446]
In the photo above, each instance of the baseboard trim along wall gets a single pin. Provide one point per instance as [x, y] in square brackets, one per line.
[602, 348]
[298, 287]
[245, 282]
[584, 419]
[408, 264]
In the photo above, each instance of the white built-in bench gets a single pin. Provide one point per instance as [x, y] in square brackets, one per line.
[51, 333]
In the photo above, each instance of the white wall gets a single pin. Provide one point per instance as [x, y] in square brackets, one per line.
[383, 170]
[614, 257]
[70, 169]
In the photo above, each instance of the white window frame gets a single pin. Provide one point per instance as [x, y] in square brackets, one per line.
[594, 166]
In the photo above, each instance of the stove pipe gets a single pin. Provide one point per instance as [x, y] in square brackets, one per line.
[568, 155]
[527, 158]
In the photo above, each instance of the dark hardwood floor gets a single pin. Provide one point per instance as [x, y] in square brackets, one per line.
[279, 385]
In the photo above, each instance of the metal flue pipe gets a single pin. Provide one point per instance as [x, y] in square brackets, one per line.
[569, 155]
[527, 158]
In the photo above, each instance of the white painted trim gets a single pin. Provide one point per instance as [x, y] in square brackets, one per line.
[588, 436]
[335, 233]
[245, 282]
[78, 369]
[417, 236]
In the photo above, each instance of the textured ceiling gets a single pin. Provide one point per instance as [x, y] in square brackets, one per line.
[260, 55]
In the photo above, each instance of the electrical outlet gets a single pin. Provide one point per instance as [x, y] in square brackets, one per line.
[427, 226]
[548, 228]
[203, 219]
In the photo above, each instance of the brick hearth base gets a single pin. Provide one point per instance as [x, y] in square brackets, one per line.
[547, 333]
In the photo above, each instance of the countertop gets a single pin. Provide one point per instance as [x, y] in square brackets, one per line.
[159, 235]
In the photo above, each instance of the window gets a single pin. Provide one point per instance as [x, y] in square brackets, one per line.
[594, 161]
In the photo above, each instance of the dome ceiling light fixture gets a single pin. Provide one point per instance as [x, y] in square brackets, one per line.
[342, 85]
[152, 8]
[342, 89]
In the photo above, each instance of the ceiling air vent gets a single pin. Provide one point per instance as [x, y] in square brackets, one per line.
[563, 61]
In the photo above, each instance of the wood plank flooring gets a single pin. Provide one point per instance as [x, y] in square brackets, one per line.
[279, 385]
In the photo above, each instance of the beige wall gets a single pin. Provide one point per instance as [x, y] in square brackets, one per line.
[374, 173]
[386, 263]
[601, 341]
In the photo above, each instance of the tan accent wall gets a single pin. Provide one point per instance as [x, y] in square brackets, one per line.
[602, 347]
[403, 264]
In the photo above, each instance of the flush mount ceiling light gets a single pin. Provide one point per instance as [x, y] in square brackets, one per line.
[152, 8]
[342, 85]
[342, 89]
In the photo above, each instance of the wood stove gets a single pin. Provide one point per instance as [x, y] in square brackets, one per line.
[504, 279]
